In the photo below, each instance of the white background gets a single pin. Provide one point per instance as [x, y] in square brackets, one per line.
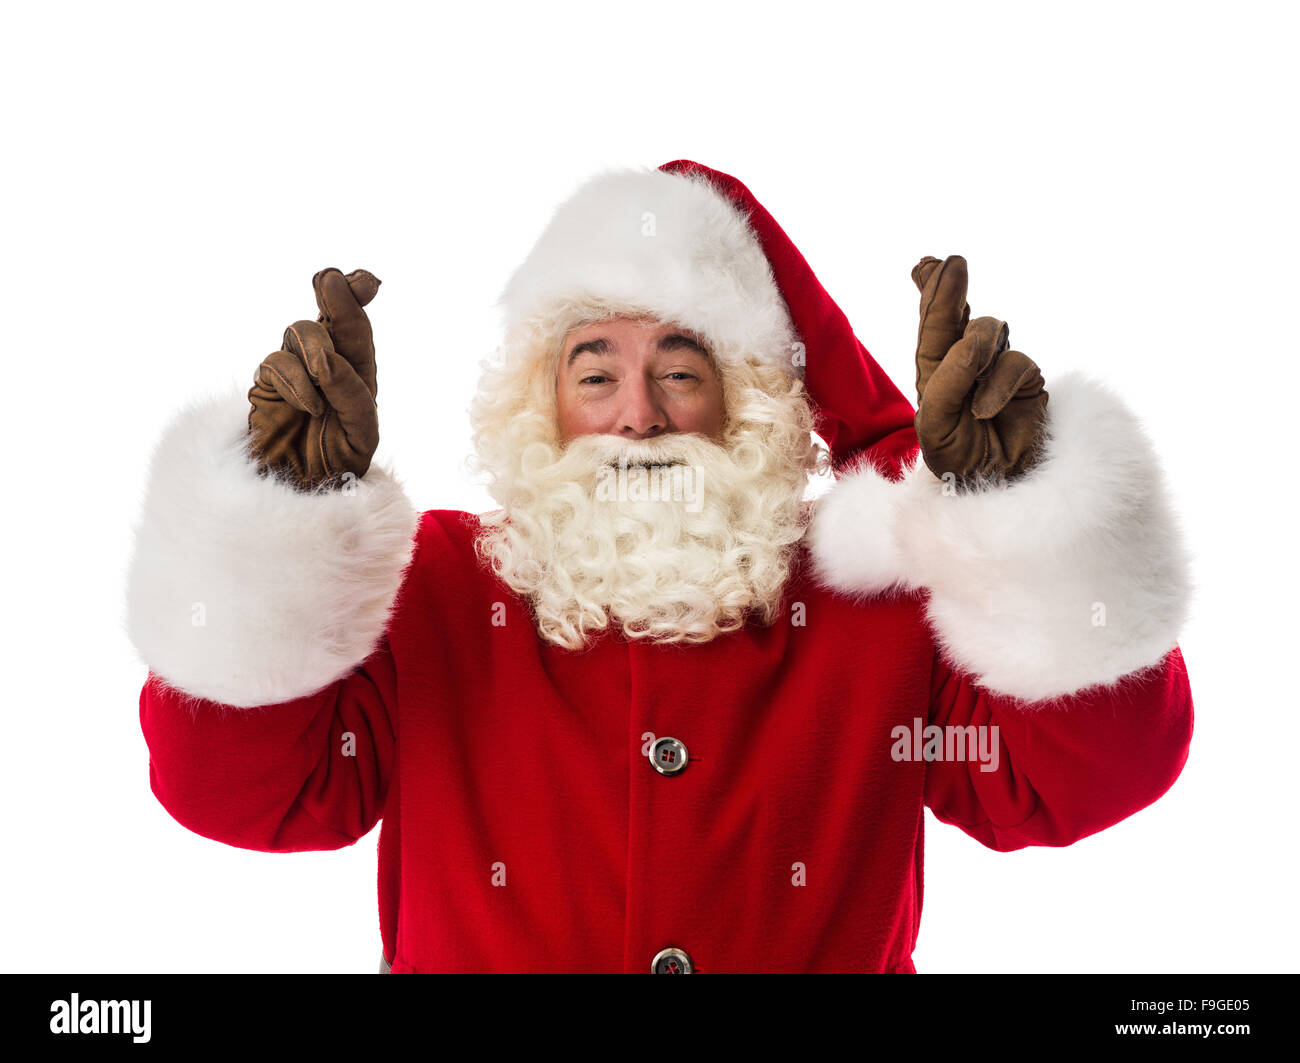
[1121, 178]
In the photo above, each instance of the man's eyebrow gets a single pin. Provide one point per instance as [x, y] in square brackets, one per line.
[600, 346]
[678, 341]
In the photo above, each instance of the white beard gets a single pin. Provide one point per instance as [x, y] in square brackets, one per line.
[679, 554]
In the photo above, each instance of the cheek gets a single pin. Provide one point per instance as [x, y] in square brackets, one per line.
[712, 411]
[573, 417]
[563, 413]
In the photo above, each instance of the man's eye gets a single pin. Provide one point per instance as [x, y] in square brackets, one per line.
[587, 379]
[685, 376]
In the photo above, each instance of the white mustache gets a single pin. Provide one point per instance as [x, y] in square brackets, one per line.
[622, 463]
[634, 454]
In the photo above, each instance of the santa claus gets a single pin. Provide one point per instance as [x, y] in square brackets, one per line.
[658, 712]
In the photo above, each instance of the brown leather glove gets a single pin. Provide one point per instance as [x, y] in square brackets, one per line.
[980, 407]
[313, 415]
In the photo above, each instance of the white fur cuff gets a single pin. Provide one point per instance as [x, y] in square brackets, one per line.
[245, 591]
[1074, 575]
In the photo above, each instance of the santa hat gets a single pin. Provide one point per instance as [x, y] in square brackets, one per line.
[692, 246]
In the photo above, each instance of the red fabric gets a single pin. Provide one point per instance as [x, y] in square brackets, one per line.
[858, 407]
[479, 744]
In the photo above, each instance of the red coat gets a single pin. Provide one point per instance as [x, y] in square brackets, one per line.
[525, 829]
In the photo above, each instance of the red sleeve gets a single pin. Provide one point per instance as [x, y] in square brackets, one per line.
[306, 774]
[1064, 769]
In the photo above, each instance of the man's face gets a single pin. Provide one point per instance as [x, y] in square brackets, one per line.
[695, 534]
[638, 379]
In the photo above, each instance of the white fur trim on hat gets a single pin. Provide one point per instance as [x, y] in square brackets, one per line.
[245, 591]
[667, 244]
[1073, 576]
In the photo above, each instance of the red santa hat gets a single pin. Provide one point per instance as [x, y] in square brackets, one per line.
[692, 246]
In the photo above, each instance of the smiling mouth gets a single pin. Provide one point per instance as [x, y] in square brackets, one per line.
[644, 464]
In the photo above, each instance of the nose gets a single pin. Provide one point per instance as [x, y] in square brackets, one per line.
[641, 415]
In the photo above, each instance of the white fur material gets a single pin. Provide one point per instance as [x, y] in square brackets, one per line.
[245, 591]
[1073, 576]
[851, 535]
[668, 244]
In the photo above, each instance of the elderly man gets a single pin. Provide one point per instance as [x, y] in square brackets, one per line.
[658, 712]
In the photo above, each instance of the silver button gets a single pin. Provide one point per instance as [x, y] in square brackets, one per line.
[671, 961]
[669, 756]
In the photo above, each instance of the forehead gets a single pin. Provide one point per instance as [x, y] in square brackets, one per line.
[626, 326]
[626, 336]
